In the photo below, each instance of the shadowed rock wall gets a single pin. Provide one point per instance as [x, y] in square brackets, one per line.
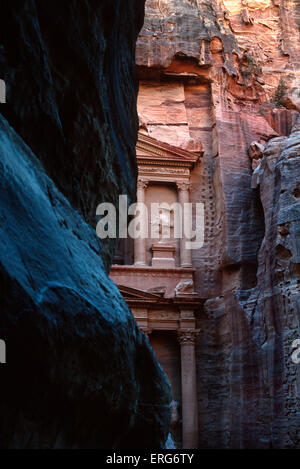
[76, 360]
[71, 88]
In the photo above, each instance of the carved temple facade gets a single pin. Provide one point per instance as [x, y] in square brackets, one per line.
[156, 278]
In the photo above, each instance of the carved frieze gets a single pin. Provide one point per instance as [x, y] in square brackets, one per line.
[163, 170]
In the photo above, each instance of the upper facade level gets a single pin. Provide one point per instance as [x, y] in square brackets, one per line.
[164, 173]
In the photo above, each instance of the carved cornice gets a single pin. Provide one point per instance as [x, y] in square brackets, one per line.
[187, 336]
[149, 271]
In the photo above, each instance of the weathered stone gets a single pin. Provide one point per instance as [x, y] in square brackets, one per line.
[289, 103]
[256, 150]
[246, 16]
[76, 360]
[71, 94]
[232, 74]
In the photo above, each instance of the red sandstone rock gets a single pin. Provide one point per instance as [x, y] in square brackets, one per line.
[255, 152]
[213, 71]
[289, 103]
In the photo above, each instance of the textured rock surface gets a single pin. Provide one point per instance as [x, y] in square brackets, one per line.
[75, 372]
[75, 105]
[248, 333]
[216, 72]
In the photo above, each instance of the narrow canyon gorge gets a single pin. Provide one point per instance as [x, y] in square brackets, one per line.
[74, 372]
[145, 343]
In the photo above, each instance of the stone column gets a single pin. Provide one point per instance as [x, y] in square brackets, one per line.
[140, 243]
[184, 198]
[187, 338]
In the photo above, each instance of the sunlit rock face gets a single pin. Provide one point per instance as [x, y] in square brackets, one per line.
[225, 74]
[75, 372]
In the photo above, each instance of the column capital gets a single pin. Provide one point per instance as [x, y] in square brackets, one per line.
[142, 183]
[147, 331]
[184, 186]
[187, 336]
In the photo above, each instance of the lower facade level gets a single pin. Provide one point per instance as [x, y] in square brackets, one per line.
[165, 306]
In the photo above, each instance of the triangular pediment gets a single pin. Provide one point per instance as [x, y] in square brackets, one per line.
[148, 150]
[134, 293]
[143, 153]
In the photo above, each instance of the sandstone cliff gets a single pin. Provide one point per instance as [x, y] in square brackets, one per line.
[75, 372]
[223, 74]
